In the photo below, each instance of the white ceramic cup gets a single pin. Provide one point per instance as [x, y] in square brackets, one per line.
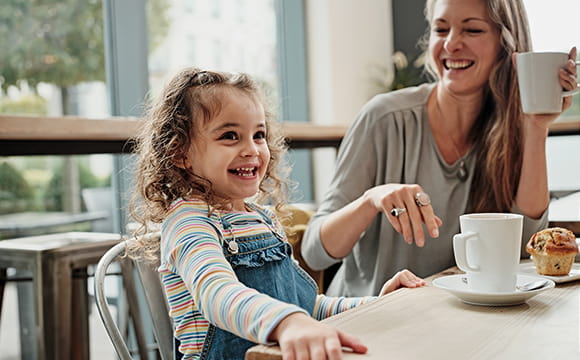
[488, 250]
[539, 81]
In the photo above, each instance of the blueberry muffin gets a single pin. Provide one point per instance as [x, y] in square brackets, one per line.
[553, 251]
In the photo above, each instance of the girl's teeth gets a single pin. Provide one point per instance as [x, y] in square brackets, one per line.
[244, 171]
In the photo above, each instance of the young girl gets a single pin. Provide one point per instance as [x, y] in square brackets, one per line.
[207, 147]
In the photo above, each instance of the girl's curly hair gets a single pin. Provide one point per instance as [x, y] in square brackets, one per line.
[191, 98]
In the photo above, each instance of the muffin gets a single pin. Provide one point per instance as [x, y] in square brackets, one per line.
[553, 251]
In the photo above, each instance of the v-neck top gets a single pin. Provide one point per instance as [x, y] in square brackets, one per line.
[391, 142]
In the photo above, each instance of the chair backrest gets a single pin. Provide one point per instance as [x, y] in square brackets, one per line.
[295, 226]
[155, 297]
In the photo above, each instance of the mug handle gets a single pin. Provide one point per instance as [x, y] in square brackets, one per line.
[572, 92]
[459, 249]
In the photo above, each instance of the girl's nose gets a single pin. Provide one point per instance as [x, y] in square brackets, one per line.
[250, 149]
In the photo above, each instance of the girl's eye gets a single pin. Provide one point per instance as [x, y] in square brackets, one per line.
[260, 135]
[474, 31]
[230, 135]
[440, 30]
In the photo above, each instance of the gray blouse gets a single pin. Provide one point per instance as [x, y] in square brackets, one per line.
[391, 142]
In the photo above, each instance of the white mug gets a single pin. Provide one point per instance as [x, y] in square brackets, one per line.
[488, 250]
[539, 81]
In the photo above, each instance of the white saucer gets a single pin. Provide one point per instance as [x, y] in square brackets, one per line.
[527, 267]
[455, 285]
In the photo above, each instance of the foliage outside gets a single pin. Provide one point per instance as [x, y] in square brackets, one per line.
[38, 186]
[403, 73]
[60, 42]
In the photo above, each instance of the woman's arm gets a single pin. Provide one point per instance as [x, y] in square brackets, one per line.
[534, 174]
[341, 230]
[357, 194]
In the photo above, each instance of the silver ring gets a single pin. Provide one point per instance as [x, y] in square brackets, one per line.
[422, 199]
[397, 211]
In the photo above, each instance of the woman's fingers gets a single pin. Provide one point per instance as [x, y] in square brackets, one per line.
[569, 78]
[421, 212]
[404, 216]
[416, 220]
[408, 208]
[406, 228]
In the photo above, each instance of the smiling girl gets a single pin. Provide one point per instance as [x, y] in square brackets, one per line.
[209, 146]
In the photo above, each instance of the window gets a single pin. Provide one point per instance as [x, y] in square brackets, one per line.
[554, 28]
[53, 64]
[226, 42]
[241, 36]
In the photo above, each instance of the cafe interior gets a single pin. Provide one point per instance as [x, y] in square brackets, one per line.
[75, 77]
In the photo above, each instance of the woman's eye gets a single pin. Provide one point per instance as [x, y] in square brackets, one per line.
[260, 135]
[440, 30]
[230, 135]
[474, 31]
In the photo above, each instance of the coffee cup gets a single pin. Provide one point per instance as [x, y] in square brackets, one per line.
[488, 250]
[539, 81]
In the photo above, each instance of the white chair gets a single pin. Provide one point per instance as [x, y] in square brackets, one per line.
[157, 305]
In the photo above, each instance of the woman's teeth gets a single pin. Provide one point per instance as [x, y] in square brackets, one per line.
[457, 64]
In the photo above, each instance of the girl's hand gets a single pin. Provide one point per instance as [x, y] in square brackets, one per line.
[303, 338]
[410, 223]
[403, 278]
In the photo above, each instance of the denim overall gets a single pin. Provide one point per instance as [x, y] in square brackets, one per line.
[263, 262]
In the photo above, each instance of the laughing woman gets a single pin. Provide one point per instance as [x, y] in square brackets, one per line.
[417, 158]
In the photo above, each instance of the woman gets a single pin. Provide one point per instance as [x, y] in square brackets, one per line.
[463, 140]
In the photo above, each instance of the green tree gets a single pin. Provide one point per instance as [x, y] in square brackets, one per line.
[60, 41]
[15, 193]
[53, 192]
[30, 104]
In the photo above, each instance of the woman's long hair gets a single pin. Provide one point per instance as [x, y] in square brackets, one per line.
[497, 135]
[190, 99]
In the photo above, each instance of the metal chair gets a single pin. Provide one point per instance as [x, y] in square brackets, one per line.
[54, 307]
[156, 303]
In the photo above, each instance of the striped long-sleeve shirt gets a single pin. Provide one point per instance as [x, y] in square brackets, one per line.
[202, 287]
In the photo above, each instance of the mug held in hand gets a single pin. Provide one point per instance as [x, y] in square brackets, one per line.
[539, 82]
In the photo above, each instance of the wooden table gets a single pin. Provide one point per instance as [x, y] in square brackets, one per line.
[31, 223]
[430, 323]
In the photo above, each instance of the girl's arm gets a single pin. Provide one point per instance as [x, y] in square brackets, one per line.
[196, 255]
[326, 306]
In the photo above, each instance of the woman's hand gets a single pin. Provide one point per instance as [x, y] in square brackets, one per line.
[409, 223]
[569, 81]
[569, 78]
[303, 338]
[403, 278]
